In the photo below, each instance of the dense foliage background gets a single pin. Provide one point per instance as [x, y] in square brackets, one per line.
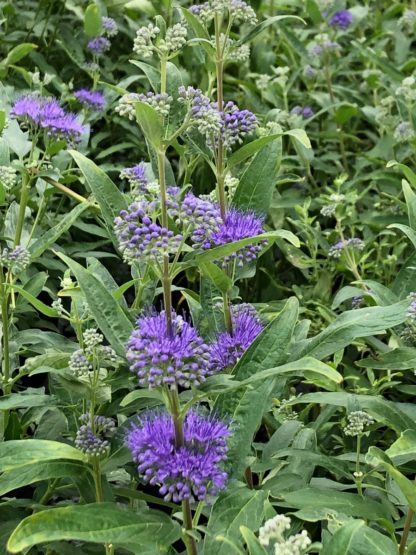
[315, 397]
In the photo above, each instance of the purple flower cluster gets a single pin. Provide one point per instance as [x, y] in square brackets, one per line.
[411, 311]
[136, 176]
[91, 99]
[162, 356]
[93, 438]
[109, 26]
[196, 215]
[229, 347]
[99, 45]
[336, 250]
[236, 225]
[46, 113]
[341, 19]
[236, 124]
[306, 112]
[192, 471]
[139, 236]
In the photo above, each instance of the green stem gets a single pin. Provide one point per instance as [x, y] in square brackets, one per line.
[163, 76]
[5, 339]
[64, 189]
[96, 466]
[179, 441]
[358, 473]
[406, 531]
[24, 197]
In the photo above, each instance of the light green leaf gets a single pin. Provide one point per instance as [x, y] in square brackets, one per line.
[50, 237]
[151, 123]
[356, 538]
[109, 198]
[92, 21]
[408, 231]
[350, 325]
[238, 507]
[403, 358]
[17, 53]
[258, 181]
[22, 452]
[350, 504]
[97, 523]
[218, 277]
[253, 545]
[38, 471]
[39, 305]
[106, 310]
[265, 24]
[225, 250]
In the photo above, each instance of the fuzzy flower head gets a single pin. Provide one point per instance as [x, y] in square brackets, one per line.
[236, 124]
[93, 438]
[109, 26]
[193, 471]
[236, 225]
[341, 19]
[404, 132]
[15, 260]
[90, 99]
[228, 347]
[99, 45]
[354, 243]
[161, 356]
[140, 237]
[47, 114]
[136, 176]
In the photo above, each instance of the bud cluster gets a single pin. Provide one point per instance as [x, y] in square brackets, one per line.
[7, 176]
[82, 361]
[93, 438]
[16, 259]
[274, 530]
[357, 422]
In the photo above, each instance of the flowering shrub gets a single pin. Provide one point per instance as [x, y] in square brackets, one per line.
[207, 277]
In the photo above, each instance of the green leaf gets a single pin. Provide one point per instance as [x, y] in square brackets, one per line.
[350, 325]
[407, 487]
[151, 123]
[350, 504]
[253, 544]
[408, 173]
[225, 250]
[108, 196]
[264, 25]
[218, 277]
[403, 358]
[152, 74]
[258, 181]
[23, 452]
[356, 538]
[25, 400]
[392, 414]
[39, 305]
[38, 471]
[98, 523]
[403, 449]
[17, 53]
[251, 148]
[246, 407]
[238, 507]
[408, 231]
[410, 197]
[92, 21]
[318, 372]
[106, 310]
[386, 67]
[300, 136]
[50, 237]
[314, 12]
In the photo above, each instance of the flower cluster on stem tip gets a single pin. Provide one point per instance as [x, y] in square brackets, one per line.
[16, 259]
[46, 113]
[141, 237]
[411, 311]
[147, 42]
[81, 361]
[161, 356]
[94, 435]
[7, 176]
[239, 11]
[357, 422]
[136, 176]
[90, 99]
[274, 530]
[341, 19]
[335, 251]
[192, 471]
[229, 346]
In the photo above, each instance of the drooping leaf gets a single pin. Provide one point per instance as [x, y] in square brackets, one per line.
[97, 523]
